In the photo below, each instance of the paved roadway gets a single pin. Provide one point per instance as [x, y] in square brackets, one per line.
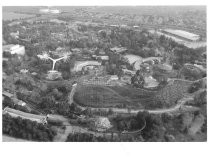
[179, 105]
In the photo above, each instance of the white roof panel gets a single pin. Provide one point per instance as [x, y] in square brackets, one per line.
[182, 33]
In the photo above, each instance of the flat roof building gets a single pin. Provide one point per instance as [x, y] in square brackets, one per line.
[182, 34]
[7, 94]
[24, 115]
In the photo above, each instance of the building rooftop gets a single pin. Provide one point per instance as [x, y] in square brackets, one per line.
[5, 93]
[23, 114]
[183, 34]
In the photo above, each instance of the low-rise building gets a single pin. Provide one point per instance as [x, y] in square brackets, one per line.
[24, 115]
[182, 34]
[7, 94]
[14, 49]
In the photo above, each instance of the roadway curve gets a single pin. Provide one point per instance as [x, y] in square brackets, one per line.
[177, 107]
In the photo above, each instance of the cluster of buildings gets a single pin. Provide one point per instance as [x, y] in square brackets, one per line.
[135, 63]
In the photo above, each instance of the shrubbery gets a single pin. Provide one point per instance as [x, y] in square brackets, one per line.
[84, 137]
[26, 129]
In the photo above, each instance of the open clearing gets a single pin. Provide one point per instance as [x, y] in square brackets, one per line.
[98, 96]
[101, 96]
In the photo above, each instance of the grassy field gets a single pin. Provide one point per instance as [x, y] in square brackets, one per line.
[101, 96]
[132, 93]
[98, 96]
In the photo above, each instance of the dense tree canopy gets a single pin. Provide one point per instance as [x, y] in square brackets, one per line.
[26, 129]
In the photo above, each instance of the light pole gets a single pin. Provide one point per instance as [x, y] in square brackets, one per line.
[45, 56]
[53, 74]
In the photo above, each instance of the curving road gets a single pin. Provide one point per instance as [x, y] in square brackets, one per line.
[177, 107]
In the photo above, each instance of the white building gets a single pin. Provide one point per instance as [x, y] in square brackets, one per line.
[14, 49]
[182, 34]
[190, 43]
